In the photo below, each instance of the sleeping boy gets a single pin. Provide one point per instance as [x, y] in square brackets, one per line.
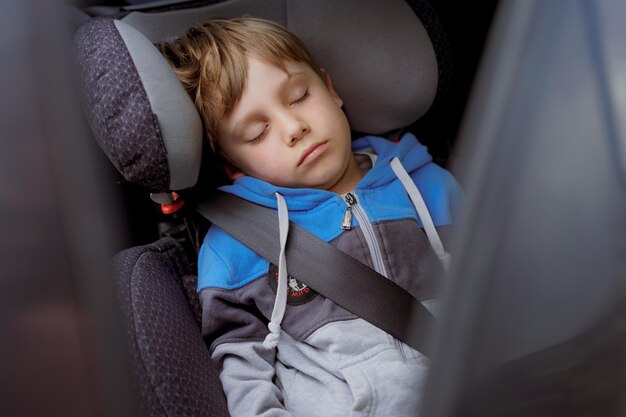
[277, 123]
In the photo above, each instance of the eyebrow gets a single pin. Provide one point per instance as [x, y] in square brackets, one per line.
[241, 124]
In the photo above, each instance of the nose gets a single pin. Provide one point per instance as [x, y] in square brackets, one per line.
[295, 129]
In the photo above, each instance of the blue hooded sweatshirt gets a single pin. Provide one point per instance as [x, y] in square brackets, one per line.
[323, 360]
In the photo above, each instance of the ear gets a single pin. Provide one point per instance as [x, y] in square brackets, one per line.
[232, 171]
[331, 89]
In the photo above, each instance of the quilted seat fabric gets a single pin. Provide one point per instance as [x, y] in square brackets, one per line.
[118, 108]
[171, 363]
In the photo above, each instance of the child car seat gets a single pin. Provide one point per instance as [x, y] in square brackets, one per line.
[384, 64]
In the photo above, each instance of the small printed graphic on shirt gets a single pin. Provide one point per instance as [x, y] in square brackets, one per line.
[297, 291]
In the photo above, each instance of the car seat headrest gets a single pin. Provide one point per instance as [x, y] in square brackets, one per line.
[140, 113]
[378, 53]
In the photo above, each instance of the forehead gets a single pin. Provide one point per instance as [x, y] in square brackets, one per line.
[261, 72]
[264, 80]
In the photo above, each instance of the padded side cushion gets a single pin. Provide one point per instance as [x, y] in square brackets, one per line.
[139, 112]
[175, 376]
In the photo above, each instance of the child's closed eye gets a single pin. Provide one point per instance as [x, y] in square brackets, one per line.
[301, 98]
[261, 135]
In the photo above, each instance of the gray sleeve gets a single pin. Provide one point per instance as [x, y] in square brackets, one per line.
[235, 330]
[227, 319]
[247, 375]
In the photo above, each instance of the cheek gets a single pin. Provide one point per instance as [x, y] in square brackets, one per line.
[331, 114]
[265, 164]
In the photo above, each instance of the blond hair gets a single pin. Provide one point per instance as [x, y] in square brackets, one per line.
[211, 61]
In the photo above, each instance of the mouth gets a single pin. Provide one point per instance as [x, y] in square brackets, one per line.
[312, 152]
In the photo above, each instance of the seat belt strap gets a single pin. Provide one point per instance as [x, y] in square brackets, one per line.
[327, 270]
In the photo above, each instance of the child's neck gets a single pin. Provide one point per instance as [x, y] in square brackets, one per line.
[351, 177]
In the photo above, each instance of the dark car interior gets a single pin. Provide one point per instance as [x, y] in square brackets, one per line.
[526, 110]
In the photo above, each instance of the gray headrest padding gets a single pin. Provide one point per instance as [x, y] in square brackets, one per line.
[377, 52]
[178, 119]
[165, 26]
[384, 67]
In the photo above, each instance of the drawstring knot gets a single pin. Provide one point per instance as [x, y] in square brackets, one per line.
[271, 340]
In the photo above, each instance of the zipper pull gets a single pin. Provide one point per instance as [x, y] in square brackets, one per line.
[346, 222]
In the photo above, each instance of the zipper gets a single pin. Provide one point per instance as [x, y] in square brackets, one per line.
[354, 208]
[346, 222]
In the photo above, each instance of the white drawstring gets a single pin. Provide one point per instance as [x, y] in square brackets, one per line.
[422, 212]
[280, 304]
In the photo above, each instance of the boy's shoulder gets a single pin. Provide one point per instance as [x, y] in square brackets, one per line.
[226, 263]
